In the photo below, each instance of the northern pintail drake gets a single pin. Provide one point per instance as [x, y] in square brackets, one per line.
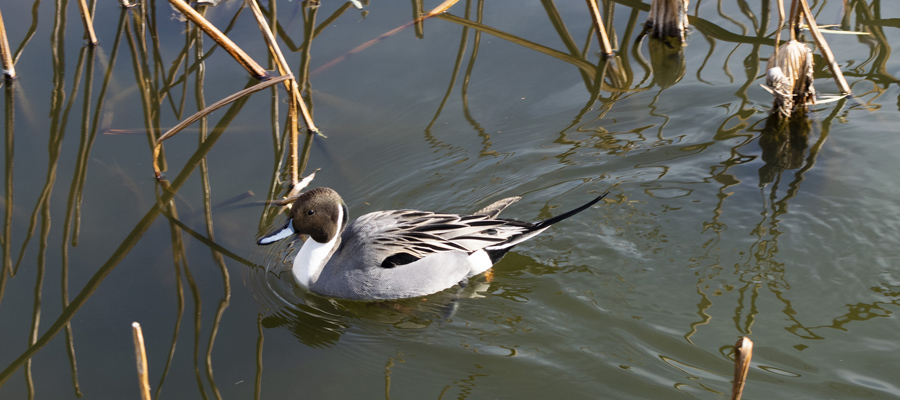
[400, 253]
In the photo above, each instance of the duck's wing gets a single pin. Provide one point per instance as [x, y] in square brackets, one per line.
[405, 236]
[493, 210]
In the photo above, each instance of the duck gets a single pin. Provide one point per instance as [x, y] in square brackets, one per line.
[397, 254]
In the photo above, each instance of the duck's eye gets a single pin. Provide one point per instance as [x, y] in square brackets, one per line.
[310, 212]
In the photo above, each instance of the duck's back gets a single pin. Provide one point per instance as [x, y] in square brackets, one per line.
[357, 269]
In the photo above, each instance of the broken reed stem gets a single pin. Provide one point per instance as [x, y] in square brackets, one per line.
[599, 27]
[242, 58]
[88, 22]
[437, 10]
[206, 111]
[141, 355]
[794, 21]
[743, 352]
[780, 27]
[824, 49]
[292, 89]
[6, 52]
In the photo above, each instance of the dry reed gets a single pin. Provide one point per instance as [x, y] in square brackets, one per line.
[6, 52]
[292, 89]
[824, 49]
[743, 352]
[434, 12]
[600, 28]
[88, 22]
[789, 77]
[242, 58]
[140, 354]
[206, 111]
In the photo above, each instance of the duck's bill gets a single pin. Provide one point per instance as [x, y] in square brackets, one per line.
[284, 232]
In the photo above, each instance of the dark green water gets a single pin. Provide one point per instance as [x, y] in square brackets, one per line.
[717, 226]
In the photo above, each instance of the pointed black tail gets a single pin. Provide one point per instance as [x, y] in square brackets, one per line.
[550, 221]
[498, 251]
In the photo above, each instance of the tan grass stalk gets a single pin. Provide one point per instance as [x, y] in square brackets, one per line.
[140, 354]
[206, 111]
[824, 49]
[242, 58]
[599, 27]
[577, 61]
[88, 22]
[780, 26]
[292, 88]
[434, 12]
[743, 351]
[793, 21]
[9, 68]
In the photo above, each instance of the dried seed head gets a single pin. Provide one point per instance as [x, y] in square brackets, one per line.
[789, 77]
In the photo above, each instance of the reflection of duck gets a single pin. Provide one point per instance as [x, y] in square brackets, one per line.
[784, 143]
[397, 254]
[320, 322]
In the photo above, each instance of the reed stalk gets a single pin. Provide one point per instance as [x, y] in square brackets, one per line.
[780, 26]
[297, 102]
[579, 62]
[793, 19]
[824, 49]
[599, 27]
[125, 247]
[434, 12]
[9, 142]
[220, 261]
[9, 68]
[560, 26]
[179, 261]
[242, 58]
[257, 388]
[464, 39]
[88, 22]
[743, 352]
[140, 353]
[208, 110]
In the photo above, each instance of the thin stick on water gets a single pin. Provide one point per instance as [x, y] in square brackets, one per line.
[793, 21]
[743, 351]
[141, 355]
[780, 27]
[600, 28]
[292, 88]
[88, 22]
[437, 10]
[206, 111]
[242, 58]
[9, 68]
[824, 49]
